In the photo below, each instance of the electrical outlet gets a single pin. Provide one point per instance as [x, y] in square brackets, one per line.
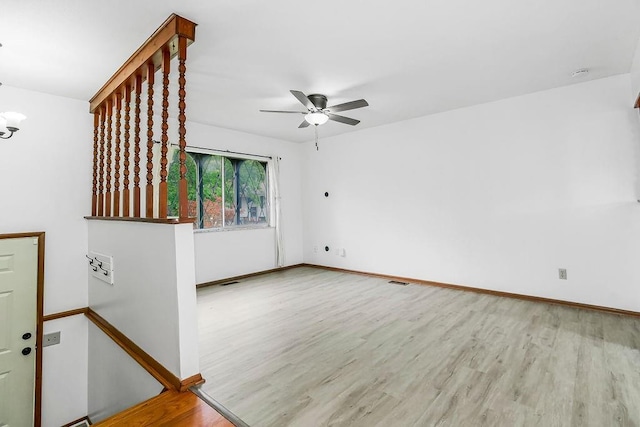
[51, 339]
[562, 273]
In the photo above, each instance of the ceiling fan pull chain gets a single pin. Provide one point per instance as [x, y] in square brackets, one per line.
[316, 128]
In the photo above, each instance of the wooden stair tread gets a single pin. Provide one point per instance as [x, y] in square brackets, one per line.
[170, 408]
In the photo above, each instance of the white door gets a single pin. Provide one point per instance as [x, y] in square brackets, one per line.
[18, 293]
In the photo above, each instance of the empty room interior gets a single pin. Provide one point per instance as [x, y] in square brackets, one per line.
[338, 214]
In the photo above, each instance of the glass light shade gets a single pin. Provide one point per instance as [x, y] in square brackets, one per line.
[12, 120]
[316, 118]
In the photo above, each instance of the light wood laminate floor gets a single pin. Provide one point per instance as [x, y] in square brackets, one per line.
[309, 347]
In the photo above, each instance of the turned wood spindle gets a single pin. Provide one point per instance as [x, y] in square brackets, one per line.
[182, 131]
[136, 148]
[126, 194]
[94, 188]
[101, 167]
[118, 132]
[108, 196]
[162, 187]
[150, 82]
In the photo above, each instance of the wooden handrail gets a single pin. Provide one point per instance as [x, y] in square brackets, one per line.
[170, 31]
[168, 380]
[159, 372]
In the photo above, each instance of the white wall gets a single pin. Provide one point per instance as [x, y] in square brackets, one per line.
[117, 381]
[45, 185]
[153, 298]
[64, 369]
[635, 73]
[496, 196]
[236, 252]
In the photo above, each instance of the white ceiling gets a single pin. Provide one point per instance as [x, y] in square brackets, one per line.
[406, 58]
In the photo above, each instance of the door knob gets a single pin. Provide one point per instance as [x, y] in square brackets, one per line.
[26, 336]
[26, 350]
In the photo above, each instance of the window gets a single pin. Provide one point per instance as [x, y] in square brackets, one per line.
[223, 192]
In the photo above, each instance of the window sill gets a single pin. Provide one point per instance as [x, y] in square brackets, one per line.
[226, 229]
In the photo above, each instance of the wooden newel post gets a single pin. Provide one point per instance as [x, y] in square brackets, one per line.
[182, 130]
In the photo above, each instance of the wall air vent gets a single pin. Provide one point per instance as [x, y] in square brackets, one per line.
[229, 283]
[395, 282]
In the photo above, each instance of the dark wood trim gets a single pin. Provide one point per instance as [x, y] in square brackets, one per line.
[79, 420]
[63, 314]
[246, 276]
[39, 337]
[637, 102]
[175, 26]
[532, 298]
[149, 220]
[159, 372]
[37, 411]
[190, 382]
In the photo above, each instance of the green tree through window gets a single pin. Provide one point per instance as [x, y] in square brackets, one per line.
[240, 199]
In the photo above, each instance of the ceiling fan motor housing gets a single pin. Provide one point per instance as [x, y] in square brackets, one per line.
[319, 101]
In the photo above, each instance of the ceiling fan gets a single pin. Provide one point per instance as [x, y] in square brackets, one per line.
[319, 113]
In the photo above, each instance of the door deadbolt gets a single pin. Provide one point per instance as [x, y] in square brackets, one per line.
[26, 336]
[26, 351]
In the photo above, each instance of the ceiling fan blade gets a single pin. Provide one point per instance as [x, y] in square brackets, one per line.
[304, 124]
[280, 111]
[303, 99]
[343, 119]
[348, 106]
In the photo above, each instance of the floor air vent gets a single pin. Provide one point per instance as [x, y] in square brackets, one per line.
[395, 282]
[229, 283]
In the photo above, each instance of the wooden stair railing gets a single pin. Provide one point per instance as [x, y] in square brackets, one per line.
[112, 195]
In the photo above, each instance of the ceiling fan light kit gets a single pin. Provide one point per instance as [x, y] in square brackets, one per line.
[317, 111]
[316, 118]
